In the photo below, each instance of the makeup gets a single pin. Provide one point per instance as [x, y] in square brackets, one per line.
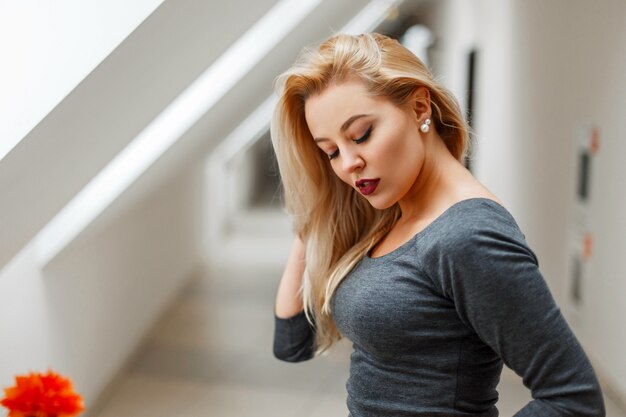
[367, 186]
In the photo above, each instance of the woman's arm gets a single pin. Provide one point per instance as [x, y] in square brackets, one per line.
[498, 290]
[288, 297]
[294, 336]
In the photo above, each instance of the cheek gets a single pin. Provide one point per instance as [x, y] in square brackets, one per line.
[404, 160]
[400, 153]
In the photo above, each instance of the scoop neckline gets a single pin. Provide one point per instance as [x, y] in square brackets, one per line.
[406, 245]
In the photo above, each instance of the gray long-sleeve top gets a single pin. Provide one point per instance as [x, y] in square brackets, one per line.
[433, 321]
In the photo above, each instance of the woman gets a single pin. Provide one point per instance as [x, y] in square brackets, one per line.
[408, 255]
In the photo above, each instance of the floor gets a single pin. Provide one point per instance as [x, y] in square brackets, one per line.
[211, 355]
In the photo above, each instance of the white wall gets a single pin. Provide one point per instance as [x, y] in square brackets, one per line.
[545, 69]
[584, 82]
[47, 48]
[91, 306]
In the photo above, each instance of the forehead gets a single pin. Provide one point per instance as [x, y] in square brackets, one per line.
[327, 111]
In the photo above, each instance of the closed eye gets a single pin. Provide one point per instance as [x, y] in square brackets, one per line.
[365, 136]
[362, 139]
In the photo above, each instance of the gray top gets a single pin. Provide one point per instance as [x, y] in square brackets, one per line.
[433, 321]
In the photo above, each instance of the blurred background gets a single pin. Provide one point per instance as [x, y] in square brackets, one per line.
[141, 231]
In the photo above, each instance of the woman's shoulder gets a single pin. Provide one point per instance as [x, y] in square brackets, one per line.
[474, 230]
[471, 221]
[477, 213]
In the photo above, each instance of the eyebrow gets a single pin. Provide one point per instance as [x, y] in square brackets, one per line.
[345, 125]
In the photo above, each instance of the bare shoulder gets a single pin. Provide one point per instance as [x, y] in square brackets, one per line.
[489, 196]
[474, 189]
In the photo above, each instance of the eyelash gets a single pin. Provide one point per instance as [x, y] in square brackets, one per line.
[362, 139]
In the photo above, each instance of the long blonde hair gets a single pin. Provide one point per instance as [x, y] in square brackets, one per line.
[336, 224]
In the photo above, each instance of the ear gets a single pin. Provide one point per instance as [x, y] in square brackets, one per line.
[421, 103]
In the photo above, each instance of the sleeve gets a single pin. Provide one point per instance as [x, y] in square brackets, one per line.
[494, 280]
[294, 338]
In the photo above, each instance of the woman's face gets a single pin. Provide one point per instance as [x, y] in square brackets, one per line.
[373, 145]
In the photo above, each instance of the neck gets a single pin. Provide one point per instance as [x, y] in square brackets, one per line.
[434, 189]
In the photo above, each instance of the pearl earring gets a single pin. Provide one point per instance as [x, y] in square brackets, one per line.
[425, 127]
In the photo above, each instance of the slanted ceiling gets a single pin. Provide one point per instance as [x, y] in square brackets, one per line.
[106, 111]
[110, 107]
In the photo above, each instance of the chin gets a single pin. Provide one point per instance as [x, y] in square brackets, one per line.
[379, 203]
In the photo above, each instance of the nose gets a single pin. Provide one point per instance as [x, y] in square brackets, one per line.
[351, 162]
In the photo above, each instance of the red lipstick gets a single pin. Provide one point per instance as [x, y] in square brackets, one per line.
[367, 186]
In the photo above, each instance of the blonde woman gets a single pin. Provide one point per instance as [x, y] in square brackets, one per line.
[401, 250]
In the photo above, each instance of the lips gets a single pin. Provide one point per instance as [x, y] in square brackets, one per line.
[367, 186]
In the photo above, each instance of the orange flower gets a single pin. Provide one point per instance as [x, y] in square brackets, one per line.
[42, 395]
